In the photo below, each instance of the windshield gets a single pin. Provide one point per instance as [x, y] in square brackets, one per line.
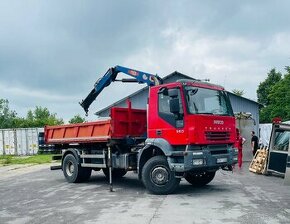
[207, 101]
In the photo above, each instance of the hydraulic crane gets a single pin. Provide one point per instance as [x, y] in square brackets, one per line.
[110, 76]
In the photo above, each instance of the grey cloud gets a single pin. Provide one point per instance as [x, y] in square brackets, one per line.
[61, 48]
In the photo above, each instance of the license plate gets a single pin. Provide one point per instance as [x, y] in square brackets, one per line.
[221, 160]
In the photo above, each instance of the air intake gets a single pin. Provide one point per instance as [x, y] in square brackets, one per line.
[217, 136]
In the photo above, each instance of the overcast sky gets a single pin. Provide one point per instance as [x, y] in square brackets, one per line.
[52, 52]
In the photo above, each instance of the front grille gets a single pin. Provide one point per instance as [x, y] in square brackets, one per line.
[217, 152]
[217, 136]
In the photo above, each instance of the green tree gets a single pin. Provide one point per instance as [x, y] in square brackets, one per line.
[40, 117]
[7, 116]
[277, 100]
[265, 87]
[77, 119]
[238, 92]
[20, 122]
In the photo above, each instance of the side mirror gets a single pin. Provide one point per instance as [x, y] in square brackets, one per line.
[174, 106]
[163, 91]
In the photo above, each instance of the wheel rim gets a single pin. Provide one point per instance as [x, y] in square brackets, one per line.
[70, 168]
[160, 175]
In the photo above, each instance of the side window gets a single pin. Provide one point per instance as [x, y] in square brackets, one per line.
[163, 104]
[282, 140]
[164, 110]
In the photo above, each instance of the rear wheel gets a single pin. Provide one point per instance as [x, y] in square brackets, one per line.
[73, 172]
[157, 177]
[199, 179]
[116, 173]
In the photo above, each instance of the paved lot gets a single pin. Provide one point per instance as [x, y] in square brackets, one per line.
[37, 195]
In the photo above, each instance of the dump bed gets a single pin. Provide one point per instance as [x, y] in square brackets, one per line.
[123, 122]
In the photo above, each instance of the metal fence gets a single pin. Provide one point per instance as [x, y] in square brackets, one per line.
[19, 141]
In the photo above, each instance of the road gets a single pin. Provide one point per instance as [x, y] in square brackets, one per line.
[37, 195]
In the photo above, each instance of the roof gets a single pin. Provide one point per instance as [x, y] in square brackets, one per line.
[253, 101]
[177, 73]
[164, 80]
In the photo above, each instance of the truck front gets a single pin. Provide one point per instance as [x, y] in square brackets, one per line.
[193, 123]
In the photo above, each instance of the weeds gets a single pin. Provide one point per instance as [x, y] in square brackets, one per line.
[34, 159]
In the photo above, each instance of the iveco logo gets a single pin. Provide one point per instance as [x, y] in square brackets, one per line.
[218, 122]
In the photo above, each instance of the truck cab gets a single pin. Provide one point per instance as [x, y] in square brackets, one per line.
[193, 125]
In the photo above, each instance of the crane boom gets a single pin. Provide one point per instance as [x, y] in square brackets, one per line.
[110, 76]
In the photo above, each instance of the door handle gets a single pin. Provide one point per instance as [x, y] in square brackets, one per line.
[158, 132]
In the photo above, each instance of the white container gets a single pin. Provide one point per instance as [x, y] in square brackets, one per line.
[32, 141]
[19, 141]
[9, 142]
[1, 142]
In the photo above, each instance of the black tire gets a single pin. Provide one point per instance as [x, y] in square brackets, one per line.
[199, 179]
[157, 177]
[73, 172]
[116, 173]
[85, 173]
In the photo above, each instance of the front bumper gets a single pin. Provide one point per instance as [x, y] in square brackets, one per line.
[202, 160]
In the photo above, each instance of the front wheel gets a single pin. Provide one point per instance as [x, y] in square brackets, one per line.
[157, 177]
[199, 179]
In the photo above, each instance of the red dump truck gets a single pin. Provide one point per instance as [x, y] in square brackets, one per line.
[188, 131]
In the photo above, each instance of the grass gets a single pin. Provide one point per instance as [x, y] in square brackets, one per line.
[34, 159]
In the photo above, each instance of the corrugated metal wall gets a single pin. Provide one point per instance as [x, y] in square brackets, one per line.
[20, 141]
[246, 125]
[241, 104]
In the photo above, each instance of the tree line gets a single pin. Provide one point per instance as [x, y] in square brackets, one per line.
[39, 117]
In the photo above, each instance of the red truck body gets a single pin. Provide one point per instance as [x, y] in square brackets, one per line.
[122, 123]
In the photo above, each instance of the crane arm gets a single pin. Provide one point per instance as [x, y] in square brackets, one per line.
[110, 76]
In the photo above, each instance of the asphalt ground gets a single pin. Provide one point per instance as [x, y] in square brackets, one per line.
[34, 194]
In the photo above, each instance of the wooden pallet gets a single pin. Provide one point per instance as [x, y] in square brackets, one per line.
[259, 162]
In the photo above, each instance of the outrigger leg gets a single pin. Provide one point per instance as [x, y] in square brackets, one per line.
[110, 168]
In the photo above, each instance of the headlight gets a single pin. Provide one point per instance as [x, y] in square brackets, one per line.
[197, 153]
[221, 160]
[197, 162]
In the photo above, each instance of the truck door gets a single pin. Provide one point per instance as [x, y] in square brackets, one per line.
[279, 148]
[170, 121]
